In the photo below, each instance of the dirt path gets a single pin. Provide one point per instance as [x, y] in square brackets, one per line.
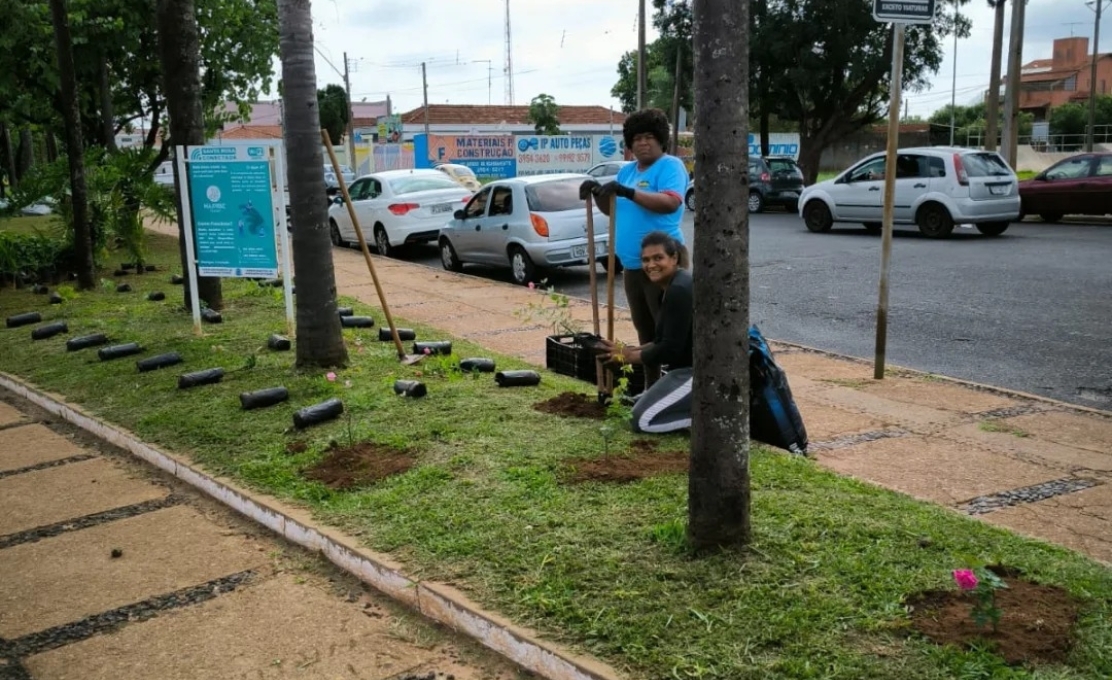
[112, 570]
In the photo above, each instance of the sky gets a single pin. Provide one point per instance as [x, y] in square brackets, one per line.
[570, 49]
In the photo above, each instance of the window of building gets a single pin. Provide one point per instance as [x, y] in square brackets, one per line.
[1070, 84]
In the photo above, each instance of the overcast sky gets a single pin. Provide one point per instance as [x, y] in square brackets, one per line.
[570, 49]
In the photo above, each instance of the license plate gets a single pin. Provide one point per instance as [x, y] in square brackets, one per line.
[441, 208]
[580, 252]
[1000, 190]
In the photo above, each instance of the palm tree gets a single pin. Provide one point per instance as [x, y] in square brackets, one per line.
[320, 340]
[75, 147]
[992, 105]
[179, 45]
[718, 484]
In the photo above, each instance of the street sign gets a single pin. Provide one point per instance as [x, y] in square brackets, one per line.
[904, 11]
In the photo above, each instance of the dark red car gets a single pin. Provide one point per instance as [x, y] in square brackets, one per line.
[1079, 185]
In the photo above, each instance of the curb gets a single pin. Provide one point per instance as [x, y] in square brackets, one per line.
[981, 387]
[438, 602]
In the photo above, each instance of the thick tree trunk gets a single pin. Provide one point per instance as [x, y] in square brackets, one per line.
[992, 106]
[75, 148]
[107, 116]
[810, 156]
[8, 151]
[718, 484]
[25, 156]
[180, 48]
[320, 341]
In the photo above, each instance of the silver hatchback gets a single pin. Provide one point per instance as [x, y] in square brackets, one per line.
[527, 224]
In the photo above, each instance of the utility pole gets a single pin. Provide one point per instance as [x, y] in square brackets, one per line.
[1091, 133]
[509, 67]
[425, 87]
[992, 107]
[490, 75]
[389, 105]
[351, 119]
[954, 85]
[1010, 140]
[642, 85]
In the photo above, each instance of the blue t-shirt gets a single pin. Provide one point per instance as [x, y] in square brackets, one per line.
[667, 174]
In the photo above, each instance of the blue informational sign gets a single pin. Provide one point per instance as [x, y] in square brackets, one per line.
[230, 191]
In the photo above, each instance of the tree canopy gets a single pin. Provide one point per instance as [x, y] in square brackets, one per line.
[332, 102]
[544, 115]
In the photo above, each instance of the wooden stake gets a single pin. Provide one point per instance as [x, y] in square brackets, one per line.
[591, 261]
[610, 265]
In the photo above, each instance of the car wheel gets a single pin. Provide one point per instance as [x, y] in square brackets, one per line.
[334, 232]
[689, 200]
[756, 202]
[382, 242]
[993, 228]
[448, 256]
[817, 217]
[1050, 217]
[605, 261]
[874, 227]
[522, 267]
[934, 221]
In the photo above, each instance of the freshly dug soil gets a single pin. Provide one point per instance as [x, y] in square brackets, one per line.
[1036, 621]
[641, 461]
[573, 405]
[363, 464]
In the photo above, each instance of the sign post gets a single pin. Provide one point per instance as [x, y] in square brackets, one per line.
[234, 210]
[900, 13]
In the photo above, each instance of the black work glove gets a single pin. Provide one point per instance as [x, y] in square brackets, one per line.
[588, 188]
[611, 189]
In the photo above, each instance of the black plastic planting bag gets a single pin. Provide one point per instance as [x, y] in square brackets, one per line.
[773, 416]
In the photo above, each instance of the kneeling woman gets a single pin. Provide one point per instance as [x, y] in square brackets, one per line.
[666, 405]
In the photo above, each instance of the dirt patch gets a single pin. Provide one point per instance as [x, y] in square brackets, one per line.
[1036, 621]
[297, 447]
[640, 461]
[363, 464]
[572, 404]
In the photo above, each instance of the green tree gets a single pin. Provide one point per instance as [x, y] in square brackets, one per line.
[320, 340]
[181, 56]
[1069, 119]
[334, 111]
[544, 115]
[82, 243]
[718, 483]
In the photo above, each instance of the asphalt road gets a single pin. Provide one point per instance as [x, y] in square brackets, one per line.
[1030, 310]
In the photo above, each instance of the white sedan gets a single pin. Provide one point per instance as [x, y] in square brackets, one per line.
[397, 208]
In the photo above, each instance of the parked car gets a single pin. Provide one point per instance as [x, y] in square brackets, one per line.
[606, 171]
[462, 175]
[331, 184]
[773, 180]
[1079, 185]
[397, 208]
[936, 188]
[527, 224]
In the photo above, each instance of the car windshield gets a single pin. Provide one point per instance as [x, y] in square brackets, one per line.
[408, 185]
[784, 165]
[985, 165]
[554, 196]
[461, 171]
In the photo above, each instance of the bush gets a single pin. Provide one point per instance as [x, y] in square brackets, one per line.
[31, 257]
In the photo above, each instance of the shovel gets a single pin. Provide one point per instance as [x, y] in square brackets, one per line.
[406, 359]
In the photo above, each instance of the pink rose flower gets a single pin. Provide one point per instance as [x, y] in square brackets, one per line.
[331, 376]
[965, 578]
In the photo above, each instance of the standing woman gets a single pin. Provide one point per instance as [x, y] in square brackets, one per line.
[666, 406]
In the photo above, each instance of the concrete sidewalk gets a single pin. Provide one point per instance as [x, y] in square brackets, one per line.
[1033, 465]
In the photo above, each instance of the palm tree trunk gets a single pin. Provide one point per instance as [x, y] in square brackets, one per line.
[718, 484]
[9, 155]
[75, 148]
[992, 105]
[320, 340]
[180, 48]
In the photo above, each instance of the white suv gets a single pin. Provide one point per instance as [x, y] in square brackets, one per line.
[936, 188]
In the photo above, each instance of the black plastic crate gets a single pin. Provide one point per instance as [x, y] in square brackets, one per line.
[564, 354]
